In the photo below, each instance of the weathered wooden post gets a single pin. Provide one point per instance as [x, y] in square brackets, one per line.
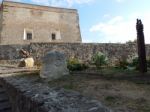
[141, 47]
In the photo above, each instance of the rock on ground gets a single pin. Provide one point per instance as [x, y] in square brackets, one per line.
[54, 65]
[27, 62]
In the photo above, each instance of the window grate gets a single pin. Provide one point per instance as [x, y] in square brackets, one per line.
[29, 36]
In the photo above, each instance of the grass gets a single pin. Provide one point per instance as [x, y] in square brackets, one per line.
[125, 90]
[121, 90]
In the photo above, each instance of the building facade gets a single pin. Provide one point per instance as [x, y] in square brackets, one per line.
[22, 23]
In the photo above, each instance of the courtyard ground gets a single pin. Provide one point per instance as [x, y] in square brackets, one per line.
[128, 93]
[122, 91]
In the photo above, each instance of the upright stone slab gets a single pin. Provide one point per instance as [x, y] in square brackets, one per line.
[53, 66]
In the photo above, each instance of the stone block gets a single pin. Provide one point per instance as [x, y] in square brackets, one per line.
[27, 62]
[54, 65]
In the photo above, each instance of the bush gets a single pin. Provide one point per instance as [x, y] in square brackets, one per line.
[135, 62]
[122, 64]
[99, 59]
[74, 64]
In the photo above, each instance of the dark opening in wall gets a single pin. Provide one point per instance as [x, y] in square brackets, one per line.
[29, 36]
[53, 36]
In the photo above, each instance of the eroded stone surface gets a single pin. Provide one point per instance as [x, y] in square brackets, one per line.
[54, 65]
[28, 94]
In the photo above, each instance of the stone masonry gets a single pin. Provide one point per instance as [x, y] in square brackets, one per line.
[22, 23]
[81, 51]
[28, 94]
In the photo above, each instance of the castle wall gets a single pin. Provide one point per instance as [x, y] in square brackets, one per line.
[82, 51]
[42, 21]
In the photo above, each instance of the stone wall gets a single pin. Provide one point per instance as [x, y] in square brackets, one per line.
[27, 94]
[20, 18]
[83, 51]
[11, 52]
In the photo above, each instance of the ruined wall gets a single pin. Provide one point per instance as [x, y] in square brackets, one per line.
[42, 21]
[27, 94]
[82, 51]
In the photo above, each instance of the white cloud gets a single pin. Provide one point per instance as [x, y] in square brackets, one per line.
[120, 29]
[64, 3]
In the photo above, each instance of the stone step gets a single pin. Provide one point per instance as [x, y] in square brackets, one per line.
[2, 90]
[6, 110]
[3, 97]
[4, 106]
[4, 101]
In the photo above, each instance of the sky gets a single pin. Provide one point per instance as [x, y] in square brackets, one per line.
[106, 21]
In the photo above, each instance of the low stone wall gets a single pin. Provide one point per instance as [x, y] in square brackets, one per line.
[28, 95]
[11, 52]
[83, 51]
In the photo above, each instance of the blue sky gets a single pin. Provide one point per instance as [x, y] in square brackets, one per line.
[106, 21]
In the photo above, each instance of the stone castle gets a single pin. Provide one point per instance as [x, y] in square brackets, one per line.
[22, 23]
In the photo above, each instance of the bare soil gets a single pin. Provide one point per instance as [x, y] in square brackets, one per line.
[125, 94]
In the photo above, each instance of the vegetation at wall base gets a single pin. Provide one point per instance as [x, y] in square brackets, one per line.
[73, 64]
[99, 59]
[122, 64]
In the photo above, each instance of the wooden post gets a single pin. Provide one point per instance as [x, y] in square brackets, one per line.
[141, 47]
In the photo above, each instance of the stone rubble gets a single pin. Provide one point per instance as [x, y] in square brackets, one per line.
[28, 94]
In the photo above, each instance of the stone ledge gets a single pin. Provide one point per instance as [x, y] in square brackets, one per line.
[28, 95]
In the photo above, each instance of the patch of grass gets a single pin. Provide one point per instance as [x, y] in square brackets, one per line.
[69, 86]
[141, 105]
[112, 100]
[66, 82]
[113, 70]
[145, 82]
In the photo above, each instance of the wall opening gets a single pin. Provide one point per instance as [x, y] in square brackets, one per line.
[28, 34]
[53, 36]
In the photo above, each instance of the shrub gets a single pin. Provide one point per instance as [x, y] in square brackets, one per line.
[122, 64]
[99, 59]
[135, 63]
[74, 64]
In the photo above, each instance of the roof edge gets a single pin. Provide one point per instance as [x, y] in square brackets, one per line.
[38, 6]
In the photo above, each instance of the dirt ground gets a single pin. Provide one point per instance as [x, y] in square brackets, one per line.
[121, 95]
[123, 92]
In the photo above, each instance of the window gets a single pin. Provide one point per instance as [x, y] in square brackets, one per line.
[29, 36]
[53, 36]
